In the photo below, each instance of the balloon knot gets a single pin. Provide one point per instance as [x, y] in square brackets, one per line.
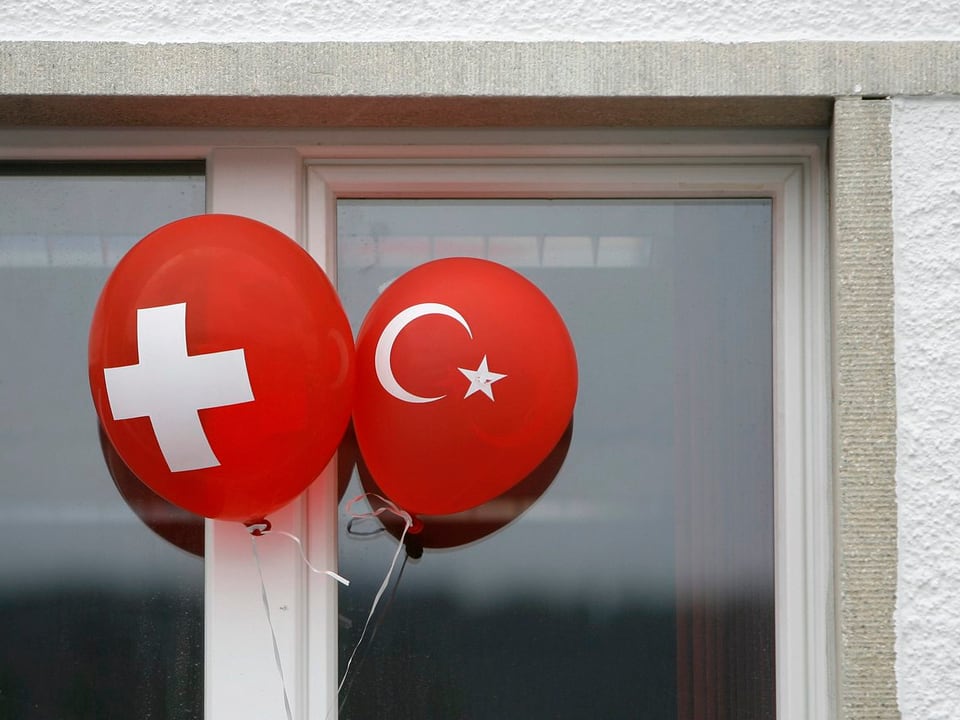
[258, 528]
[416, 526]
[414, 547]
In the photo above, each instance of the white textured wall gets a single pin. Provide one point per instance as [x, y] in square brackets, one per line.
[524, 20]
[926, 186]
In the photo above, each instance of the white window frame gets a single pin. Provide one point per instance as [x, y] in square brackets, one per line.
[292, 180]
[803, 527]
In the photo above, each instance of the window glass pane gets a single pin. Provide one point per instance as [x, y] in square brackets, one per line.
[102, 615]
[639, 583]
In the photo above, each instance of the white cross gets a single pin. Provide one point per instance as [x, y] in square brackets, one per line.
[169, 387]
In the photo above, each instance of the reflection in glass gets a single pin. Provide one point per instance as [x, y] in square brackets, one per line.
[640, 582]
[102, 618]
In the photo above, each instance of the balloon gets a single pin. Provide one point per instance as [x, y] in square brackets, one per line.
[347, 455]
[221, 366]
[449, 531]
[175, 525]
[466, 379]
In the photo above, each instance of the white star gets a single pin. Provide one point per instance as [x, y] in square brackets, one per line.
[481, 379]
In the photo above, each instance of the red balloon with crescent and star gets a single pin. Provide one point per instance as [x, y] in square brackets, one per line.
[222, 366]
[466, 380]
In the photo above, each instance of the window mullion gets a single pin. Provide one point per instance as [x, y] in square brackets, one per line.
[241, 674]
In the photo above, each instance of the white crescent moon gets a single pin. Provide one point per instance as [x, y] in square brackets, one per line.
[389, 336]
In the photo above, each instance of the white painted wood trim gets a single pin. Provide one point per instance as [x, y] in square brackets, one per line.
[323, 628]
[819, 536]
[806, 655]
[543, 146]
[241, 677]
[803, 507]
[531, 179]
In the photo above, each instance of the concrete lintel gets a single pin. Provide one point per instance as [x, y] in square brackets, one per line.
[481, 69]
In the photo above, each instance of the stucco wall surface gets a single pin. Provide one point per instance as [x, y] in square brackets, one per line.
[926, 216]
[523, 20]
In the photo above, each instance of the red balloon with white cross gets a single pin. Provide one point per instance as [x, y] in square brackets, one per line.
[466, 381]
[222, 366]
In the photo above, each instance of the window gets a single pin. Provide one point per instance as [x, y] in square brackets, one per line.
[638, 581]
[102, 592]
[317, 192]
[742, 539]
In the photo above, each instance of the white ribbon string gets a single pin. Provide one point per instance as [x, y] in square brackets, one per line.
[273, 633]
[261, 529]
[339, 578]
[407, 524]
[345, 693]
[264, 529]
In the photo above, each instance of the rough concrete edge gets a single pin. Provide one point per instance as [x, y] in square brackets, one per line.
[409, 112]
[480, 69]
[864, 408]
